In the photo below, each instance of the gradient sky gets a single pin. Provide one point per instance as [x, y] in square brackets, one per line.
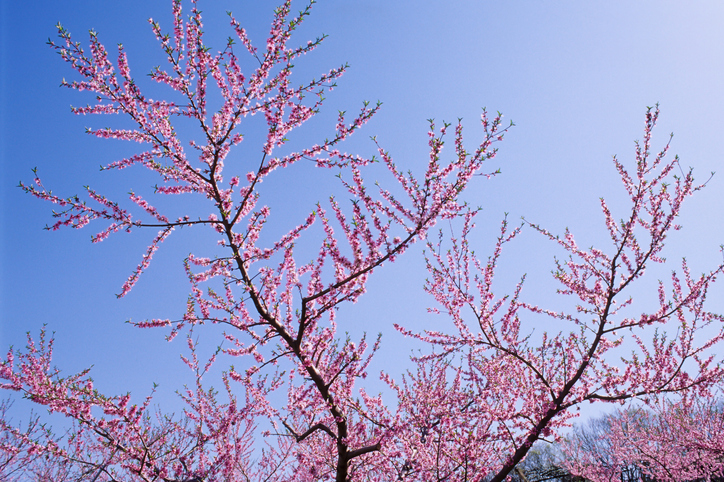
[575, 77]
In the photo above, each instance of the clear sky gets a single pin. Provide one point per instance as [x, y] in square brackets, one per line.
[574, 76]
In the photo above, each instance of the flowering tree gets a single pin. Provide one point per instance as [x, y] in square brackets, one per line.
[682, 440]
[510, 391]
[277, 304]
[278, 311]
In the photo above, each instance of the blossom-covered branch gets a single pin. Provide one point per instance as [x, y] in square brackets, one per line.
[277, 303]
[521, 387]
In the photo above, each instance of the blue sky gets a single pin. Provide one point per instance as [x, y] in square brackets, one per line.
[575, 77]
